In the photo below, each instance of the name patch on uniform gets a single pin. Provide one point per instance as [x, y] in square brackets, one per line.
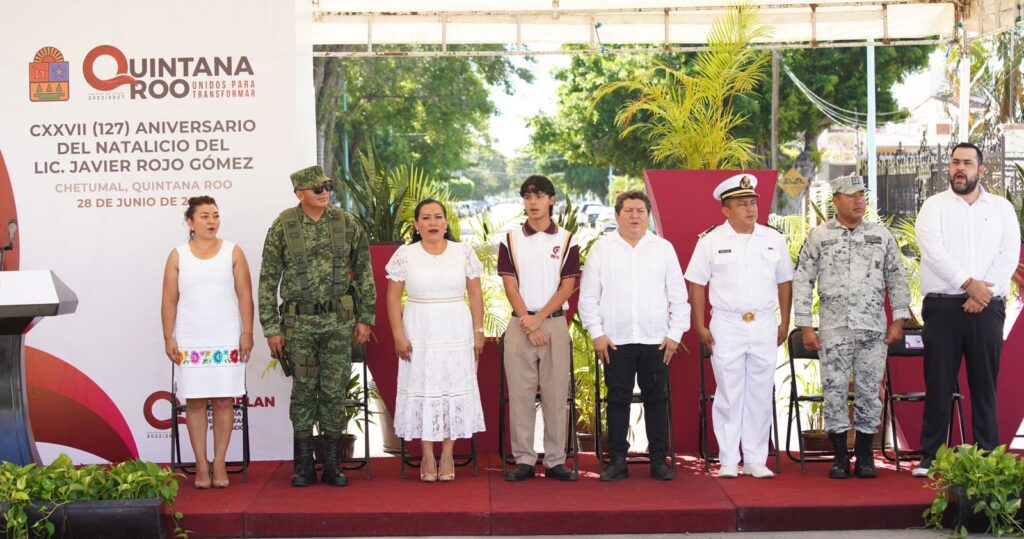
[723, 251]
[872, 239]
[829, 242]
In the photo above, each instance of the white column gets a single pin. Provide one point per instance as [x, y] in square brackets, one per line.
[872, 152]
[965, 92]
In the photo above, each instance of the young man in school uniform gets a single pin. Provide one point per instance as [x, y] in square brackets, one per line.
[538, 263]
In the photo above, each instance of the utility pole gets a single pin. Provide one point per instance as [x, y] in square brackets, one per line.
[775, 109]
[872, 151]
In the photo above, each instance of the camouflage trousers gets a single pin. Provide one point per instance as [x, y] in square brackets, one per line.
[321, 352]
[864, 353]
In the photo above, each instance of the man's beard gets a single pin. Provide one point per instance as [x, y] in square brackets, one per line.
[969, 186]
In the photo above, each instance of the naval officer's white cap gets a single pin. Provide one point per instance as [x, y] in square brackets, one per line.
[740, 185]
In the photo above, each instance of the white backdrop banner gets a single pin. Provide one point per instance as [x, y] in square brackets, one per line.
[114, 113]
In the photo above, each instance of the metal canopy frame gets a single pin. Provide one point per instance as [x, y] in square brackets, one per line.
[388, 28]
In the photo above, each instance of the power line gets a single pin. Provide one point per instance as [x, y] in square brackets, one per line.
[839, 115]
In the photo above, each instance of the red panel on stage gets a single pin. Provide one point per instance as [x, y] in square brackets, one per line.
[683, 207]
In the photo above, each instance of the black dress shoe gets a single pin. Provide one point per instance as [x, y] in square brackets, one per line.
[615, 471]
[661, 470]
[521, 472]
[561, 472]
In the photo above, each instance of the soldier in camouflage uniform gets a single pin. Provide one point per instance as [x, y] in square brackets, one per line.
[853, 262]
[316, 256]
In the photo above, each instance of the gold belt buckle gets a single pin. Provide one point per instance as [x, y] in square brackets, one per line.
[748, 317]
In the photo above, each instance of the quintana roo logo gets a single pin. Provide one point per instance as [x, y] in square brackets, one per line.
[48, 76]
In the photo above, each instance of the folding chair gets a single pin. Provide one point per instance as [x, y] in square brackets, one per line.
[178, 408]
[798, 352]
[897, 351]
[633, 457]
[363, 403]
[704, 405]
[571, 442]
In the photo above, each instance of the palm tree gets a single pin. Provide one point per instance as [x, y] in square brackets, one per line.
[688, 115]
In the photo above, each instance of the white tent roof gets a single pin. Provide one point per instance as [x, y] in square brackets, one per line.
[678, 25]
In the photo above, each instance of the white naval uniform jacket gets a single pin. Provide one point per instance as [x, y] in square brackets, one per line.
[744, 273]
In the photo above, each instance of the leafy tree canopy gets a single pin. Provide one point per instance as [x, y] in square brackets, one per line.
[589, 137]
[431, 112]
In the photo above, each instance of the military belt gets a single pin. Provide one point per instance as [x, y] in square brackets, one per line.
[323, 307]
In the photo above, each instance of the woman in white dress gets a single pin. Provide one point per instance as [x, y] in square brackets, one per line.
[438, 339]
[207, 314]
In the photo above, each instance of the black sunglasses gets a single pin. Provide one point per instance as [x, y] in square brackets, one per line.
[319, 189]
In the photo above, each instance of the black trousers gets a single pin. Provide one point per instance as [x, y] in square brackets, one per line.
[642, 363]
[950, 335]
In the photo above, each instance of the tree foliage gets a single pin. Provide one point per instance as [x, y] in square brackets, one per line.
[839, 76]
[431, 112]
[582, 136]
[690, 119]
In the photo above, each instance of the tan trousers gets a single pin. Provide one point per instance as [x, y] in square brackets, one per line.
[526, 367]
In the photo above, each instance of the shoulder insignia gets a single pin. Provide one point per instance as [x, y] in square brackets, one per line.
[775, 229]
[705, 233]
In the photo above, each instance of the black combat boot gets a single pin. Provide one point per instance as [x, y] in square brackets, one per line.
[303, 474]
[841, 464]
[332, 474]
[865, 455]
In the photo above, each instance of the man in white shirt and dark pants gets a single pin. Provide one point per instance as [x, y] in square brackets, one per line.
[633, 303]
[750, 273]
[970, 247]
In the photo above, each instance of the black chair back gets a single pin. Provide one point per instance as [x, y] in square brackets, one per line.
[796, 346]
[911, 345]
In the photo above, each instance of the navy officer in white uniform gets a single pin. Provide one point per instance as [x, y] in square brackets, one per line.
[749, 270]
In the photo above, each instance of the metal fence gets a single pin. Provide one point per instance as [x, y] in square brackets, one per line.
[906, 179]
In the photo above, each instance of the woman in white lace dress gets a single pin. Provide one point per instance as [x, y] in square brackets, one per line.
[437, 338]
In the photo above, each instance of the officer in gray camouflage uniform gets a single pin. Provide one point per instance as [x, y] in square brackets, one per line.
[317, 257]
[853, 262]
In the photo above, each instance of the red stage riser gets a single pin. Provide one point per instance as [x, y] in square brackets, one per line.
[487, 505]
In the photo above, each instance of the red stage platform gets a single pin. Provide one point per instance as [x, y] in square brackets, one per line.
[487, 505]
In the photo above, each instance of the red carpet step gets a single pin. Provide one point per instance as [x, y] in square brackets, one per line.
[267, 506]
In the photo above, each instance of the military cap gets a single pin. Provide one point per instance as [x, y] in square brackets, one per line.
[740, 185]
[848, 184]
[309, 177]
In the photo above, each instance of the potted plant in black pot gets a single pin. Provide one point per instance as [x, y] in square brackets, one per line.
[62, 500]
[586, 389]
[977, 491]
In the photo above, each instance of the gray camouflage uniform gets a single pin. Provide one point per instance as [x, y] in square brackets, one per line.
[853, 268]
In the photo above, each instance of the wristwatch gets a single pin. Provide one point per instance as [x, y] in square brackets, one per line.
[479, 330]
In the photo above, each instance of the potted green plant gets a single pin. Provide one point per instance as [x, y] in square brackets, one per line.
[586, 388]
[120, 500]
[352, 415]
[813, 433]
[977, 491]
